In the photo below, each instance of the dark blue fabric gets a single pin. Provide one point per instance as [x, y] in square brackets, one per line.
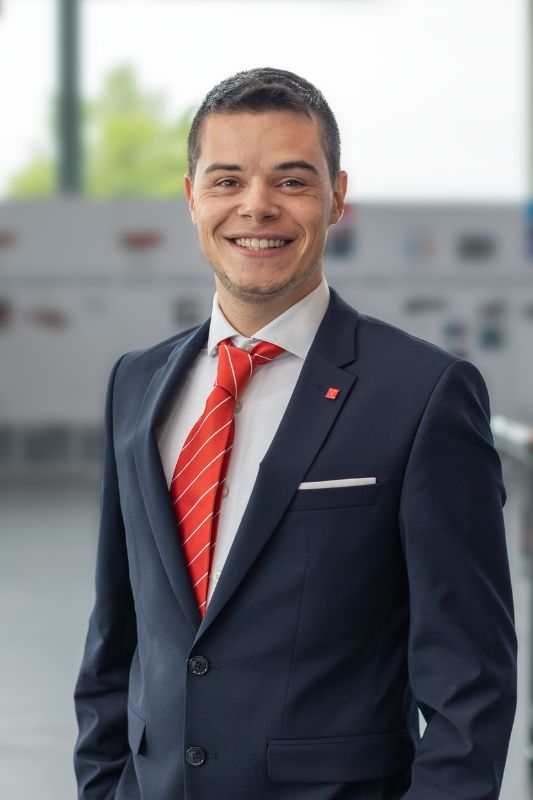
[339, 611]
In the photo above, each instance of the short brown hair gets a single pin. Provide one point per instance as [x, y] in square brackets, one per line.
[267, 89]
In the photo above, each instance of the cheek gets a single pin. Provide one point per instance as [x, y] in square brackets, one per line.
[209, 213]
[314, 218]
[207, 224]
[317, 229]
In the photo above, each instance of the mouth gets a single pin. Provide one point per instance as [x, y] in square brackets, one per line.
[260, 245]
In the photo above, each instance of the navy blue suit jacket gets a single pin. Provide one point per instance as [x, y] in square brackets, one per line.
[339, 611]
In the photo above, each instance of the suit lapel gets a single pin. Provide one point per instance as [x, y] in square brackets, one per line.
[304, 426]
[161, 391]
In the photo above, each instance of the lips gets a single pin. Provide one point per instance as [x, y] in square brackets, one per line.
[257, 243]
[260, 244]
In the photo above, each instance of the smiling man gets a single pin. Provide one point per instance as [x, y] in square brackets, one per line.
[301, 540]
[263, 213]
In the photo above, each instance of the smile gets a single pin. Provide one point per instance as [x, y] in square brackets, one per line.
[260, 244]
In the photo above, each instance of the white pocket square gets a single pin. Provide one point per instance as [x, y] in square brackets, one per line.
[336, 483]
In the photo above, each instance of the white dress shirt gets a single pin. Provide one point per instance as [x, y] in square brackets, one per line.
[265, 398]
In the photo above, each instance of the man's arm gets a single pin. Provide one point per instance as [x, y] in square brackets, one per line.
[102, 686]
[462, 644]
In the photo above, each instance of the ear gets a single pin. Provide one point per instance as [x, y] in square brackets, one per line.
[189, 196]
[339, 193]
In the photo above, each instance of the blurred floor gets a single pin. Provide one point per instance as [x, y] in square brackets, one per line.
[47, 551]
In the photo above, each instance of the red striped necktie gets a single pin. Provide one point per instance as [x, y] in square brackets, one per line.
[197, 485]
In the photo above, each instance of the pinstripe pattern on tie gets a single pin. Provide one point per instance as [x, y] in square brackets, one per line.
[197, 484]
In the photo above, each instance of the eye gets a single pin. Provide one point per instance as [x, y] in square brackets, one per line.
[293, 181]
[227, 182]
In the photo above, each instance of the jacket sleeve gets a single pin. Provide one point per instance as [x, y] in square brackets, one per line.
[462, 644]
[101, 690]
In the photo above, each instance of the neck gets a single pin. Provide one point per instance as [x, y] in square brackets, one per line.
[249, 317]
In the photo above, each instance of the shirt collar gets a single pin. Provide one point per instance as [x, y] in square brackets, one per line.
[294, 329]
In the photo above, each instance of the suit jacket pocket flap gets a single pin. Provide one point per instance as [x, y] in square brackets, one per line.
[136, 726]
[336, 497]
[339, 759]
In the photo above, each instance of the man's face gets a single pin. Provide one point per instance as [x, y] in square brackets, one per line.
[262, 201]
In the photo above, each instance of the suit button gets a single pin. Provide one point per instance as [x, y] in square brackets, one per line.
[195, 756]
[198, 665]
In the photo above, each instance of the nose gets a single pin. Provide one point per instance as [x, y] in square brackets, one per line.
[258, 202]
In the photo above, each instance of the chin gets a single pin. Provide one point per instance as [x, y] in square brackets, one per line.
[257, 292]
[248, 288]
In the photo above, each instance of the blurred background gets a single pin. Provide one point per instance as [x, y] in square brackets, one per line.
[98, 256]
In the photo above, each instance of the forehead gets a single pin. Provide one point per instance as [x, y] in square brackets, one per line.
[239, 136]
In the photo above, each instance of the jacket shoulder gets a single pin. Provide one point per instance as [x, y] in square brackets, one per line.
[379, 342]
[153, 356]
[396, 346]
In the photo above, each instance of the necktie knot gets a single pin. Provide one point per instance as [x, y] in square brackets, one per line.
[236, 366]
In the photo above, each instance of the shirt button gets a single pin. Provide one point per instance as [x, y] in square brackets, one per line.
[225, 490]
[195, 756]
[217, 576]
[237, 407]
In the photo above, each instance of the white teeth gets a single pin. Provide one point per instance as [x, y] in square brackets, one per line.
[260, 244]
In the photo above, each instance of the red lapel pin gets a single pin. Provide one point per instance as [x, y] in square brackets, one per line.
[331, 393]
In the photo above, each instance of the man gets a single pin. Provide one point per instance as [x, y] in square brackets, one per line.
[302, 537]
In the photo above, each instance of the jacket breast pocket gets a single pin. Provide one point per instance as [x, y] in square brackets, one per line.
[339, 759]
[337, 497]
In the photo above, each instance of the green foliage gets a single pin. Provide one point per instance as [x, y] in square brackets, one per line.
[38, 179]
[129, 147]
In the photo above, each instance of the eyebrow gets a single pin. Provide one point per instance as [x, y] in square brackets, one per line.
[225, 167]
[285, 165]
[288, 165]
